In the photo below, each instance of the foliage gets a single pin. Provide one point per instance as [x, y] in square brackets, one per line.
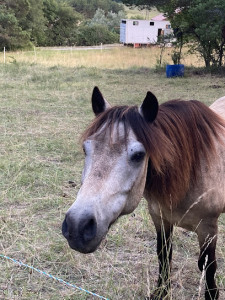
[209, 30]
[29, 17]
[35, 22]
[53, 22]
[110, 20]
[202, 25]
[143, 4]
[12, 36]
[89, 7]
[41, 22]
[95, 35]
[61, 23]
[162, 42]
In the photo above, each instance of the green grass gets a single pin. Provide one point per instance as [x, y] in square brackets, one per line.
[43, 111]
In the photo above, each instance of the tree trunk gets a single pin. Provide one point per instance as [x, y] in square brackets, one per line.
[221, 54]
[207, 61]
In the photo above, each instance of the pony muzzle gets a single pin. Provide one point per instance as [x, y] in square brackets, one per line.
[81, 234]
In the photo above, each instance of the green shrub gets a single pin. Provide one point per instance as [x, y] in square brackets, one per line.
[95, 35]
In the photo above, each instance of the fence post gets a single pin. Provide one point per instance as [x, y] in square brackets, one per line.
[4, 55]
[35, 54]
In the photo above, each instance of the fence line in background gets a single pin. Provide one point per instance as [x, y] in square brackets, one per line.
[37, 50]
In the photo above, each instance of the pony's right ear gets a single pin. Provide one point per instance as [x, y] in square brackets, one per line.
[99, 104]
[149, 108]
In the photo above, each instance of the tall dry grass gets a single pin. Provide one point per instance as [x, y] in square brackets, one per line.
[119, 57]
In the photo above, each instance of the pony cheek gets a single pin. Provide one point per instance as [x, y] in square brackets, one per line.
[135, 194]
[131, 204]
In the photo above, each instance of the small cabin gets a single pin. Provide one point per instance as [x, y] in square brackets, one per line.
[144, 32]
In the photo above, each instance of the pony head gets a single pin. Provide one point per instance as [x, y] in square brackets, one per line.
[114, 174]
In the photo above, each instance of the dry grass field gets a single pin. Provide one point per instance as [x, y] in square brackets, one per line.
[44, 107]
[114, 58]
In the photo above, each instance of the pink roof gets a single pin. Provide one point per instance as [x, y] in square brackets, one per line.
[160, 17]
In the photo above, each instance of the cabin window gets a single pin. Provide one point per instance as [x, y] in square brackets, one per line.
[152, 23]
[135, 23]
[124, 22]
[168, 26]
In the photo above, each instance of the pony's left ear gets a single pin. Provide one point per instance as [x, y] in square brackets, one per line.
[149, 107]
[99, 104]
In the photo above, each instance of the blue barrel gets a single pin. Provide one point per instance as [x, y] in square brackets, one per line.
[174, 70]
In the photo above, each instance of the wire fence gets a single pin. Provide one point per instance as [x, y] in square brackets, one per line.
[51, 276]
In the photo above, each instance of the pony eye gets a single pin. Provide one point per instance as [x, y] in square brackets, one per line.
[138, 156]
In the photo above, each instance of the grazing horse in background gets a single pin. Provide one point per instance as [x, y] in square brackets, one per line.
[174, 155]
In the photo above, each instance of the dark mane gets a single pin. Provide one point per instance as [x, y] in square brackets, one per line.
[181, 136]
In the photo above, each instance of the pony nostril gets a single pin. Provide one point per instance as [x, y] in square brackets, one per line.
[65, 229]
[89, 229]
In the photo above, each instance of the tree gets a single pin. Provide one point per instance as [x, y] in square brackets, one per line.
[35, 22]
[145, 4]
[111, 20]
[89, 7]
[12, 36]
[62, 23]
[24, 23]
[29, 17]
[20, 9]
[95, 35]
[201, 23]
[208, 30]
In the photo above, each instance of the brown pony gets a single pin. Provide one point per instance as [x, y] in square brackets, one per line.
[174, 155]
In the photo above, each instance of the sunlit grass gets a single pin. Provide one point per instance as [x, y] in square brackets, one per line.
[115, 58]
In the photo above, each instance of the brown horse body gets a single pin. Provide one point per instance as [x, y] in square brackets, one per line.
[198, 210]
[174, 155]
